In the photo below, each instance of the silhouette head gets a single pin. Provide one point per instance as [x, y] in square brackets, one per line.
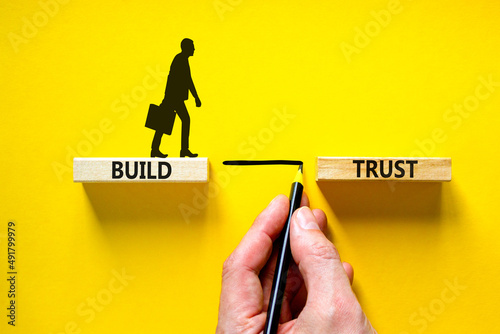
[187, 47]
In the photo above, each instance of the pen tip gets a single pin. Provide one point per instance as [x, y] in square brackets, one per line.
[298, 176]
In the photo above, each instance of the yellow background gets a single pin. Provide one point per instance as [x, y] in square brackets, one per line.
[252, 59]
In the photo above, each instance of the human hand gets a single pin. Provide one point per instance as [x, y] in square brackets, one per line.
[318, 297]
[198, 102]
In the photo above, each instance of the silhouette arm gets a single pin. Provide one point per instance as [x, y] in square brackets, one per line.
[193, 90]
[191, 87]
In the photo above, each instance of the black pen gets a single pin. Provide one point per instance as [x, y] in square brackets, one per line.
[283, 261]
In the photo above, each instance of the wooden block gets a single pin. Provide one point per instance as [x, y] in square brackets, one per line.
[380, 169]
[140, 170]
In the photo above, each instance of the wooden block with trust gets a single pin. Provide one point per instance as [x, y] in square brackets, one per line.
[140, 170]
[396, 169]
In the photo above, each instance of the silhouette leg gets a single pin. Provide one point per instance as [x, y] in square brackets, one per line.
[186, 124]
[155, 146]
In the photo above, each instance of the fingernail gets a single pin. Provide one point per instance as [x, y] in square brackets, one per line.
[306, 219]
[273, 200]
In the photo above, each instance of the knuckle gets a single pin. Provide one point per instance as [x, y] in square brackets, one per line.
[324, 251]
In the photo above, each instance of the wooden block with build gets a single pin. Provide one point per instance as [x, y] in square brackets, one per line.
[140, 170]
[396, 169]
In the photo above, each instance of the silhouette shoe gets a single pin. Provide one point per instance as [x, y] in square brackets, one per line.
[187, 153]
[157, 154]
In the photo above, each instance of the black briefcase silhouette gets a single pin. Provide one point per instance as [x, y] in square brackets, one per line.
[160, 119]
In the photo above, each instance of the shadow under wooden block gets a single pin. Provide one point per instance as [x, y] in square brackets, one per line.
[179, 203]
[389, 200]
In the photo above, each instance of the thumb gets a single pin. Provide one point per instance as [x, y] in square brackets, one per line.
[319, 262]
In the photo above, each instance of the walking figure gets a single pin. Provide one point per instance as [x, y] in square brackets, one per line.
[179, 84]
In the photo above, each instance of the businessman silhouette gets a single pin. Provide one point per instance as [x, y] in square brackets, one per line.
[179, 84]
